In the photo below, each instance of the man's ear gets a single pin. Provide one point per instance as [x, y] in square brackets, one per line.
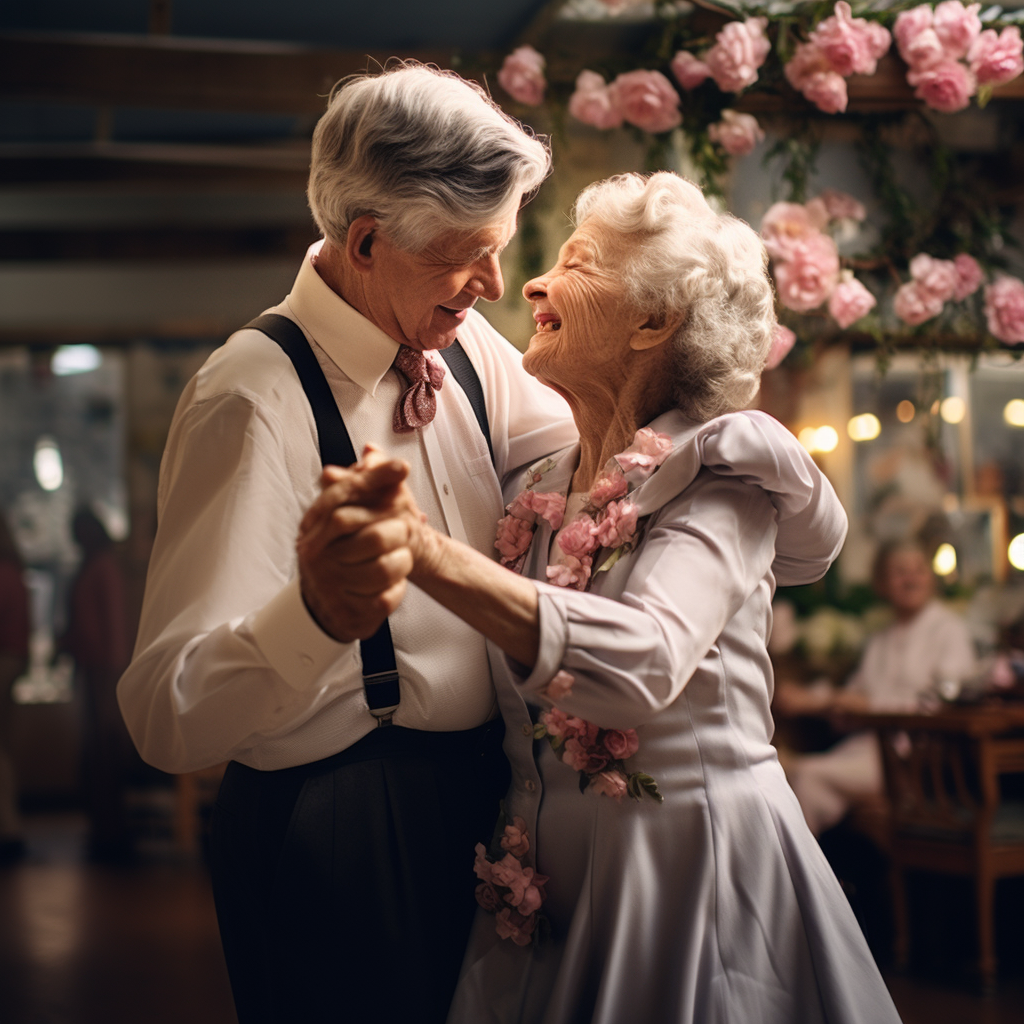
[654, 331]
[359, 242]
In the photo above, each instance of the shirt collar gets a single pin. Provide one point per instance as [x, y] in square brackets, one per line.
[360, 349]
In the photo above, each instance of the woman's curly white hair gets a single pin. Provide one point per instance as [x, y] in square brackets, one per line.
[687, 260]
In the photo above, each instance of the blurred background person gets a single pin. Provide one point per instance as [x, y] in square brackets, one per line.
[98, 641]
[14, 634]
[902, 664]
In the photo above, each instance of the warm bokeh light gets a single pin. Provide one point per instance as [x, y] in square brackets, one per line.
[944, 561]
[953, 409]
[806, 438]
[826, 439]
[1015, 552]
[934, 410]
[905, 411]
[865, 427]
[1014, 412]
[48, 464]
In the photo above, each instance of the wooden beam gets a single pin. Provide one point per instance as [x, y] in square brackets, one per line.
[185, 74]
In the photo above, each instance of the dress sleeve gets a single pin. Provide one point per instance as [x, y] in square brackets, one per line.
[700, 560]
[226, 654]
[759, 450]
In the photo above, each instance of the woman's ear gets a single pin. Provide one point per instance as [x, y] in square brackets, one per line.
[655, 330]
[359, 242]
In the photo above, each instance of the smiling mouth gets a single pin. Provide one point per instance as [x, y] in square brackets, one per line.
[546, 325]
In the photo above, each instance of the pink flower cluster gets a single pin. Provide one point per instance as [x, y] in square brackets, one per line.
[933, 283]
[736, 133]
[949, 56]
[806, 260]
[596, 753]
[522, 76]
[614, 526]
[1004, 309]
[647, 452]
[838, 47]
[643, 98]
[739, 50]
[515, 530]
[510, 891]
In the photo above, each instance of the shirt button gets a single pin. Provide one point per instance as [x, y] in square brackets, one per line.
[527, 730]
[531, 786]
[445, 488]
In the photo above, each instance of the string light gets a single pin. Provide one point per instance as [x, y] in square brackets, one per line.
[953, 409]
[944, 561]
[1013, 413]
[1015, 552]
[48, 464]
[905, 411]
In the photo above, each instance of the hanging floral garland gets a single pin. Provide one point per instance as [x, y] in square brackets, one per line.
[932, 275]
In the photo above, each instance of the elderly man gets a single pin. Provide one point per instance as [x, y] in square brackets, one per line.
[358, 719]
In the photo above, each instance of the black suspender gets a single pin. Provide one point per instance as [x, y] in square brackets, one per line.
[380, 672]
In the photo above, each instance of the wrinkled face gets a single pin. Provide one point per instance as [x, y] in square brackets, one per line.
[907, 581]
[584, 323]
[421, 299]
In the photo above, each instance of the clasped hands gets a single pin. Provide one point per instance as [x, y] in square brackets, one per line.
[358, 544]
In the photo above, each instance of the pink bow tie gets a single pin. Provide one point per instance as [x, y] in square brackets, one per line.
[418, 403]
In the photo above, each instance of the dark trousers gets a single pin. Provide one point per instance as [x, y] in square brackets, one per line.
[345, 888]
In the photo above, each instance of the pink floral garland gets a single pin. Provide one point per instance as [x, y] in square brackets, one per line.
[508, 890]
[607, 522]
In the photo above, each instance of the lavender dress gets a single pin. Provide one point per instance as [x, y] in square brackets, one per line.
[715, 906]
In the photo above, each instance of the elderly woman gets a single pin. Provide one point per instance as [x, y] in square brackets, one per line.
[653, 864]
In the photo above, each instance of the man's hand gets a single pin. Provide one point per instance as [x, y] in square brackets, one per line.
[354, 546]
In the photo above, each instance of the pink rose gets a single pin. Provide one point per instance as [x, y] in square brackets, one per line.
[956, 26]
[648, 451]
[849, 302]
[577, 540]
[947, 86]
[914, 304]
[621, 743]
[1004, 309]
[557, 723]
[617, 524]
[560, 686]
[996, 59]
[810, 73]
[842, 206]
[646, 99]
[514, 537]
[782, 342]
[512, 925]
[609, 485]
[689, 72]
[848, 43]
[549, 506]
[582, 758]
[532, 899]
[807, 279]
[515, 840]
[522, 76]
[784, 226]
[909, 25]
[611, 784]
[924, 50]
[591, 102]
[483, 868]
[510, 873]
[939, 277]
[737, 134]
[969, 276]
[740, 49]
[489, 898]
[573, 572]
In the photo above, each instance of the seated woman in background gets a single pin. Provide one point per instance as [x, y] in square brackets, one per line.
[925, 644]
[629, 651]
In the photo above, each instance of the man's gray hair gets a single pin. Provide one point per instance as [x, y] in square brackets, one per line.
[422, 150]
[685, 259]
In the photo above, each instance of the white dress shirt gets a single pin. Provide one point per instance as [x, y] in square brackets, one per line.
[228, 662]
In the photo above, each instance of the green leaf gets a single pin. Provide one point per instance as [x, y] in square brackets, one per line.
[641, 783]
[539, 731]
[984, 95]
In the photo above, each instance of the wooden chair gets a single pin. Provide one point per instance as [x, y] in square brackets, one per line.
[946, 816]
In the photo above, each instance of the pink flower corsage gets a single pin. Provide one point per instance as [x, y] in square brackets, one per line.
[507, 889]
[597, 754]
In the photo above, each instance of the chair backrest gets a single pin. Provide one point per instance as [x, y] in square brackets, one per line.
[935, 784]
